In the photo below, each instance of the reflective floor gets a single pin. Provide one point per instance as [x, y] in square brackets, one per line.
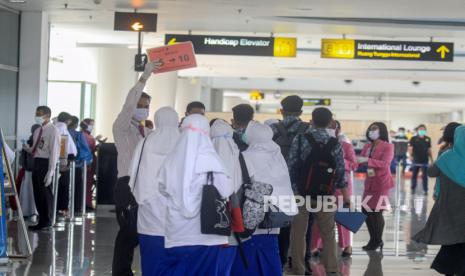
[86, 248]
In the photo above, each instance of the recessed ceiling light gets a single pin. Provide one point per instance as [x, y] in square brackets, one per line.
[17, 1]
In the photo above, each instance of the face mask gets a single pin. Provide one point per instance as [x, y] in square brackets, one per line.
[39, 120]
[90, 128]
[373, 134]
[141, 114]
[244, 138]
[422, 132]
[331, 132]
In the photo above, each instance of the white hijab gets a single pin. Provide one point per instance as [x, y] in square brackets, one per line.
[222, 138]
[159, 143]
[192, 156]
[266, 164]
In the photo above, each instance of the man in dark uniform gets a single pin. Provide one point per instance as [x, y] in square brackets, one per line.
[420, 153]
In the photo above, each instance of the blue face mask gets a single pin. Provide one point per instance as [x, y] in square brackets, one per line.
[244, 138]
[422, 132]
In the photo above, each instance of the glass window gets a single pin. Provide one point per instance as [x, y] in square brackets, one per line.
[64, 96]
[8, 88]
[76, 98]
[9, 31]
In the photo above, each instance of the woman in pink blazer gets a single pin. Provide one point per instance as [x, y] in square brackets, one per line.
[378, 155]
[351, 164]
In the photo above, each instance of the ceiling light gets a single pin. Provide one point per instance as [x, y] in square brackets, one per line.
[17, 1]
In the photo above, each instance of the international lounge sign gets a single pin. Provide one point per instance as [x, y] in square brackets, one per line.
[238, 45]
[387, 50]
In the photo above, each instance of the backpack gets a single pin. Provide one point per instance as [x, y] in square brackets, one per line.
[83, 150]
[282, 137]
[318, 171]
[252, 201]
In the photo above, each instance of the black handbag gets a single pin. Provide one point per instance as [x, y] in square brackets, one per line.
[215, 216]
[27, 161]
[275, 218]
[125, 202]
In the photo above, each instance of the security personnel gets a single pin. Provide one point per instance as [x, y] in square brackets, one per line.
[420, 153]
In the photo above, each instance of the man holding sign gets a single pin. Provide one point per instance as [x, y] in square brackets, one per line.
[128, 130]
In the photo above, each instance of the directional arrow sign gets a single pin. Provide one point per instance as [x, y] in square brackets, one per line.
[137, 26]
[387, 50]
[443, 50]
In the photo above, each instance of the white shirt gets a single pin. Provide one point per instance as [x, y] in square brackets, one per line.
[125, 131]
[63, 131]
[49, 145]
[185, 231]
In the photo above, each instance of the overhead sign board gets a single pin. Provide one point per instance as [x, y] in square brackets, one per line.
[173, 57]
[387, 50]
[135, 21]
[317, 102]
[238, 45]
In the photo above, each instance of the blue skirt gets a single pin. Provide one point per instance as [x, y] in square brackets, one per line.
[195, 260]
[262, 253]
[152, 250]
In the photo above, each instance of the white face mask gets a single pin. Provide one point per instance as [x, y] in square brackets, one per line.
[373, 134]
[90, 128]
[39, 120]
[331, 132]
[141, 114]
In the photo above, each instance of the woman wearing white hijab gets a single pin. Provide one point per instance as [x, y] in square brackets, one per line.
[265, 164]
[222, 137]
[182, 177]
[146, 163]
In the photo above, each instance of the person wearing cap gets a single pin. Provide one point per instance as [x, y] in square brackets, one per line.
[284, 133]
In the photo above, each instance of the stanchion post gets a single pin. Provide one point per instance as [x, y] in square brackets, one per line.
[72, 184]
[398, 183]
[55, 193]
[84, 188]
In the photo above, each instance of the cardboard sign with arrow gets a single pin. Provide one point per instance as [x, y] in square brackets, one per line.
[174, 57]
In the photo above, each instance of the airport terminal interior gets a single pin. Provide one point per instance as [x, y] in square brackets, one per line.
[401, 63]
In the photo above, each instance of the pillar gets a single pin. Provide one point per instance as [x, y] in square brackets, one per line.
[33, 68]
[116, 76]
[217, 98]
[162, 88]
[187, 90]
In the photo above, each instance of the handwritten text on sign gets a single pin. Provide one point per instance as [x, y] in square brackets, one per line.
[174, 57]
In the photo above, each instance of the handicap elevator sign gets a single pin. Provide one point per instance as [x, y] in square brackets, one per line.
[238, 45]
[387, 50]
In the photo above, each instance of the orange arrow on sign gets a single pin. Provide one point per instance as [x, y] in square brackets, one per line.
[137, 26]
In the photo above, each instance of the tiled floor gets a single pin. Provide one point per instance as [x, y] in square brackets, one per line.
[87, 248]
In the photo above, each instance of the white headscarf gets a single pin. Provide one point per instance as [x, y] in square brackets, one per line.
[222, 138]
[159, 143]
[266, 164]
[192, 156]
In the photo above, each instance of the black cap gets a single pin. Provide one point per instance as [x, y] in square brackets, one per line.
[292, 103]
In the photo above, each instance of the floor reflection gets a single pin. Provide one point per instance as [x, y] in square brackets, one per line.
[86, 247]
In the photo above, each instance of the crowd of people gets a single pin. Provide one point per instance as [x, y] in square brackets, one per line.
[56, 142]
[195, 195]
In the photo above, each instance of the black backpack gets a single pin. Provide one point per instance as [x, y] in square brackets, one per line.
[282, 137]
[318, 171]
